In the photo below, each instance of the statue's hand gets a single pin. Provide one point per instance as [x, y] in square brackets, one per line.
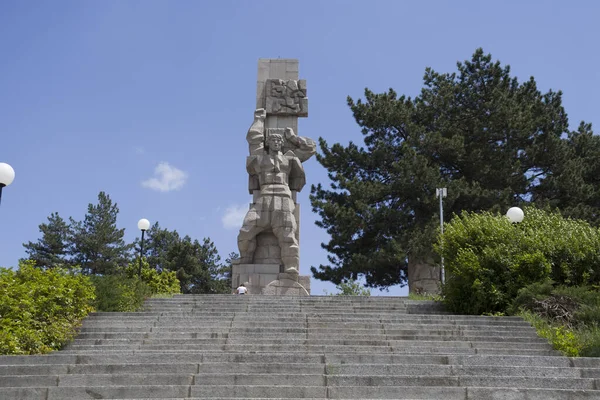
[289, 133]
[260, 114]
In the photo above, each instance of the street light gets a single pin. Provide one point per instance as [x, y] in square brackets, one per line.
[7, 176]
[143, 225]
[441, 193]
[515, 214]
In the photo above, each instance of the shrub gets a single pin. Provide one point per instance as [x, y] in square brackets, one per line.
[164, 282]
[349, 288]
[566, 340]
[488, 259]
[40, 310]
[126, 292]
[120, 293]
[591, 341]
[567, 316]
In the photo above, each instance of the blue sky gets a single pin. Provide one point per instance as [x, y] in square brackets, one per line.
[150, 101]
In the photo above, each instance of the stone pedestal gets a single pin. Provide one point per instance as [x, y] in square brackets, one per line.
[269, 280]
[423, 277]
[288, 285]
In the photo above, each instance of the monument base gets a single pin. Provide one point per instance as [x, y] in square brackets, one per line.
[423, 277]
[268, 279]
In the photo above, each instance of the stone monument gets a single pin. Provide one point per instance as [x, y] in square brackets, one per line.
[269, 240]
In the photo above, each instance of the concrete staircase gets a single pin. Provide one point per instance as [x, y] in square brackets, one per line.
[319, 347]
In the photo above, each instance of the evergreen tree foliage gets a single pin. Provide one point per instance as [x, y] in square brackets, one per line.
[492, 141]
[52, 249]
[197, 263]
[97, 244]
[572, 183]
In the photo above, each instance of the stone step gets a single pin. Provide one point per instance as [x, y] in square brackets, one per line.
[293, 392]
[302, 369]
[331, 349]
[162, 391]
[358, 340]
[164, 368]
[297, 380]
[459, 370]
[294, 358]
[251, 337]
[290, 322]
[458, 393]
[278, 342]
[332, 329]
[265, 307]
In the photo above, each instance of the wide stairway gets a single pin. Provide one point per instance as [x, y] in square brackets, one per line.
[320, 347]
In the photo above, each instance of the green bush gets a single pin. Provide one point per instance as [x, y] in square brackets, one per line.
[352, 288]
[120, 293]
[488, 259]
[590, 338]
[40, 310]
[568, 316]
[126, 292]
[164, 282]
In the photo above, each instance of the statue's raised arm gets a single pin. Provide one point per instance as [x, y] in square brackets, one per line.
[256, 133]
[303, 147]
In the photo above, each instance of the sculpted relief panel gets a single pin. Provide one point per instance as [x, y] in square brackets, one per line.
[287, 97]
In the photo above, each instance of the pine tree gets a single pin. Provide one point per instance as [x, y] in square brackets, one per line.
[52, 249]
[98, 245]
[198, 265]
[492, 141]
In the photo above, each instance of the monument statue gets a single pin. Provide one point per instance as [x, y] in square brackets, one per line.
[275, 175]
[269, 239]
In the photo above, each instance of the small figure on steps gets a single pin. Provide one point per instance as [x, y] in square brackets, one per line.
[241, 289]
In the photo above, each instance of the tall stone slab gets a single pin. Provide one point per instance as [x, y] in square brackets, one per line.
[270, 236]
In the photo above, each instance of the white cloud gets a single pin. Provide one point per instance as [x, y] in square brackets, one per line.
[234, 216]
[139, 150]
[166, 178]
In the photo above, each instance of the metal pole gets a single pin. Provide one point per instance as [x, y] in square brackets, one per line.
[442, 239]
[441, 193]
[1, 186]
[141, 252]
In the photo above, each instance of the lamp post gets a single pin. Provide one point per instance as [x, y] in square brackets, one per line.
[7, 176]
[441, 193]
[515, 215]
[143, 225]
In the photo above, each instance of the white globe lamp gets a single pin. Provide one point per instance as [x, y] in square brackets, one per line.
[143, 224]
[7, 176]
[515, 215]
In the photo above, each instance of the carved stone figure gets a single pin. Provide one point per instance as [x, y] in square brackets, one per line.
[276, 173]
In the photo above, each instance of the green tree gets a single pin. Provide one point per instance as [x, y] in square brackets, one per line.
[572, 183]
[492, 141]
[52, 249]
[198, 265]
[97, 244]
[352, 288]
[225, 271]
